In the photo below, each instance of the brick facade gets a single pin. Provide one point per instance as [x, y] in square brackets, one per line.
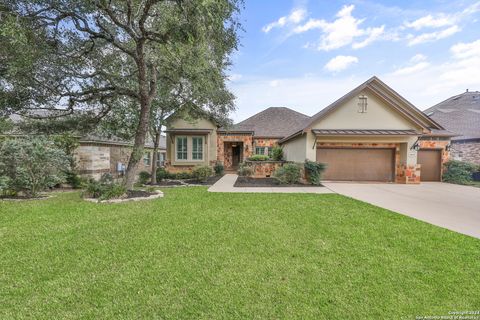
[468, 151]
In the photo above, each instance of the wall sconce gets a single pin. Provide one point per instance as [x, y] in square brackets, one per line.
[448, 147]
[415, 146]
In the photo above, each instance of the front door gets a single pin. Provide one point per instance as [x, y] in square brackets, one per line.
[236, 151]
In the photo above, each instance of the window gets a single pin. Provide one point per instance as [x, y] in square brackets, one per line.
[259, 150]
[160, 159]
[181, 148]
[146, 158]
[197, 148]
[362, 104]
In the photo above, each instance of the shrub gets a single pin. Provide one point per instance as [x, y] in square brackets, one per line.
[202, 173]
[288, 174]
[162, 174]
[73, 179]
[245, 170]
[258, 157]
[183, 175]
[32, 164]
[219, 168]
[459, 172]
[144, 177]
[104, 189]
[314, 171]
[277, 153]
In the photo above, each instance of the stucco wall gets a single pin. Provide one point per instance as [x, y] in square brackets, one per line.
[295, 149]
[209, 148]
[378, 116]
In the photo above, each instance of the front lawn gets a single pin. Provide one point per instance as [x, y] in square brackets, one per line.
[201, 255]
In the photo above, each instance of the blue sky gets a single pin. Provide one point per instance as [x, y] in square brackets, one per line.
[305, 54]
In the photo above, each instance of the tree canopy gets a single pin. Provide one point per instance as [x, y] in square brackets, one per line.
[95, 59]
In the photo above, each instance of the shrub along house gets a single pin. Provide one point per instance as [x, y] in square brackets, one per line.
[369, 134]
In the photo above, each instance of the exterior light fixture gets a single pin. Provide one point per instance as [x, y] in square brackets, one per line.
[448, 147]
[416, 146]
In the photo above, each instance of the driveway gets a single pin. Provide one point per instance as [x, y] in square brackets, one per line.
[445, 205]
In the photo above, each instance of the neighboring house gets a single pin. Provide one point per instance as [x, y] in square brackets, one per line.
[370, 134]
[96, 156]
[461, 115]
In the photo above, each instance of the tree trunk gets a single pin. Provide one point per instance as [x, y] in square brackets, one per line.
[156, 144]
[146, 93]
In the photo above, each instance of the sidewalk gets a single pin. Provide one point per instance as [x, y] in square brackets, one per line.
[226, 185]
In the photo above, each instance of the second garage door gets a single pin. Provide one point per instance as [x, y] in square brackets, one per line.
[345, 164]
[431, 164]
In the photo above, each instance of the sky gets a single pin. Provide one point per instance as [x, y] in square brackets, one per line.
[305, 54]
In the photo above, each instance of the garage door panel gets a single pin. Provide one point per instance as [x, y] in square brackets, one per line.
[430, 164]
[345, 164]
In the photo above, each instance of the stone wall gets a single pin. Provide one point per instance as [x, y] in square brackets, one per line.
[225, 156]
[262, 169]
[468, 151]
[93, 160]
[265, 142]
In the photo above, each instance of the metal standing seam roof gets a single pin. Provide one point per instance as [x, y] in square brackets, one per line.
[364, 132]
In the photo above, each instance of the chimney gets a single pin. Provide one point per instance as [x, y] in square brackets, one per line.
[467, 90]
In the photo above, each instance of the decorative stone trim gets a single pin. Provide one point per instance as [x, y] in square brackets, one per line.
[158, 194]
[408, 174]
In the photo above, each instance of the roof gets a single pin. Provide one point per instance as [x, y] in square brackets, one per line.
[273, 122]
[459, 114]
[95, 137]
[384, 92]
[361, 132]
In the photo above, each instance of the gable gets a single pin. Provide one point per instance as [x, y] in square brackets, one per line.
[180, 123]
[379, 115]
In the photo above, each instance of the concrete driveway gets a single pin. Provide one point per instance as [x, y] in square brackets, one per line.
[445, 205]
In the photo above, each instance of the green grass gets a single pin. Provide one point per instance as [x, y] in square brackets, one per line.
[200, 255]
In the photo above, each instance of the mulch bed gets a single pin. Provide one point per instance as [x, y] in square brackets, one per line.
[131, 194]
[188, 182]
[248, 182]
[40, 197]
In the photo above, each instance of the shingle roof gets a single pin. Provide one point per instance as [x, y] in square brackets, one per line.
[459, 114]
[271, 122]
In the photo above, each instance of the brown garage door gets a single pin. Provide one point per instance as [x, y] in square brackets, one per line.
[430, 161]
[345, 164]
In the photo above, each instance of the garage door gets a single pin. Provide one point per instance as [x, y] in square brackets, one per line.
[430, 161]
[357, 164]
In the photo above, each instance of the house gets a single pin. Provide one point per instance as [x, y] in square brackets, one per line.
[461, 115]
[97, 155]
[370, 134]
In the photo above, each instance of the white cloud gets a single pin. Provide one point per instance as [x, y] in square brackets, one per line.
[234, 77]
[340, 63]
[374, 34]
[274, 83]
[412, 69]
[466, 50]
[416, 63]
[430, 21]
[433, 36]
[342, 31]
[418, 57]
[295, 17]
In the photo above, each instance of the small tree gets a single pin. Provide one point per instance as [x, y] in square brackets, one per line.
[32, 165]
